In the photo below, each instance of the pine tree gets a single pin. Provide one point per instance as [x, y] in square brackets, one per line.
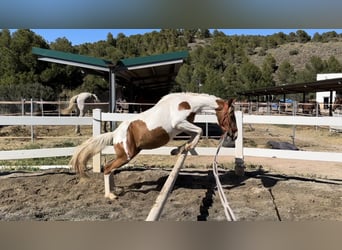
[286, 73]
[333, 65]
[268, 68]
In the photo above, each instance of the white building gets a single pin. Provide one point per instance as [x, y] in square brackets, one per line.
[324, 97]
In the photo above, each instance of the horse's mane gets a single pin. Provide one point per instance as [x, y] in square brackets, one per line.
[192, 94]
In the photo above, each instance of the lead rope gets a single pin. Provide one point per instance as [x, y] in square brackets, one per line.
[227, 210]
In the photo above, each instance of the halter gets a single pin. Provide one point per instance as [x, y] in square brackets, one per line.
[225, 116]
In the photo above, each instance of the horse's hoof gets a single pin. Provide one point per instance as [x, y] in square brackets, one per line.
[111, 196]
[179, 150]
[174, 151]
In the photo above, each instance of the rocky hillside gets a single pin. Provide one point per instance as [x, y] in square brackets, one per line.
[299, 54]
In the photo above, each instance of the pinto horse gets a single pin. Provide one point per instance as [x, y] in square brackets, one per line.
[155, 127]
[78, 103]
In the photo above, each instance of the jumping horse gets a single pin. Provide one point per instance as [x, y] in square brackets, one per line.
[80, 104]
[155, 127]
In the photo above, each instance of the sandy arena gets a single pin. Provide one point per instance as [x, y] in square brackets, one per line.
[271, 190]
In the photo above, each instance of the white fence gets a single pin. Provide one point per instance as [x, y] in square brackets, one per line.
[47, 108]
[239, 151]
[40, 108]
[45, 121]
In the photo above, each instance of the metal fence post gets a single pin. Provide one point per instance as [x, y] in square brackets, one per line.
[42, 106]
[294, 113]
[22, 107]
[32, 128]
[97, 117]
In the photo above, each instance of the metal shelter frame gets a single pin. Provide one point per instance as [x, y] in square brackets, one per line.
[154, 72]
[304, 88]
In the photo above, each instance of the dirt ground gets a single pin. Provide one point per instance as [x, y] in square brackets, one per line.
[271, 190]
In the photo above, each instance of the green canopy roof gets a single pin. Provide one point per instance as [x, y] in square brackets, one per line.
[155, 72]
[154, 59]
[72, 59]
[102, 64]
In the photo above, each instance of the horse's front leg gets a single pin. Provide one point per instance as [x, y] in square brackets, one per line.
[191, 129]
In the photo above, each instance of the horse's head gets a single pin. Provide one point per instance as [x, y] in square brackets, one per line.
[226, 118]
[95, 98]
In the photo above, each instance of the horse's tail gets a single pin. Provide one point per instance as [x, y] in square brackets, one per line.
[71, 107]
[88, 149]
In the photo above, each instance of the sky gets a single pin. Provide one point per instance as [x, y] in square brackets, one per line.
[79, 36]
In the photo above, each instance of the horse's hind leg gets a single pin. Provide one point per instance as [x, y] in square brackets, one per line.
[108, 175]
[109, 186]
[121, 159]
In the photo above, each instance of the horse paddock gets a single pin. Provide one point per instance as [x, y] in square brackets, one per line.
[263, 194]
[272, 189]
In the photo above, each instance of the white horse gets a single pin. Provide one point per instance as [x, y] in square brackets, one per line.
[153, 128]
[78, 103]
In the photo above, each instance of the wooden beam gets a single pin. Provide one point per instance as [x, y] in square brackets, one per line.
[158, 206]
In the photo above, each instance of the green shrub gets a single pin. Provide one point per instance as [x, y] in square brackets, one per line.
[293, 52]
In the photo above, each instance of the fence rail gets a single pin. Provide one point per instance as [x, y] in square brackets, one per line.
[41, 107]
[45, 121]
[239, 151]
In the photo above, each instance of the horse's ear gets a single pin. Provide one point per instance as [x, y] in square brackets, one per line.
[231, 101]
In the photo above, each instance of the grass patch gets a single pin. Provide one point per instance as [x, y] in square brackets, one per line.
[249, 143]
[283, 126]
[32, 146]
[20, 168]
[65, 144]
[28, 163]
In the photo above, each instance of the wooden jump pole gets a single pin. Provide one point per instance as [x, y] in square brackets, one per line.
[158, 206]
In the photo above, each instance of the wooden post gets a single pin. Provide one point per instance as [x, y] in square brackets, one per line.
[96, 131]
[239, 159]
[164, 193]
